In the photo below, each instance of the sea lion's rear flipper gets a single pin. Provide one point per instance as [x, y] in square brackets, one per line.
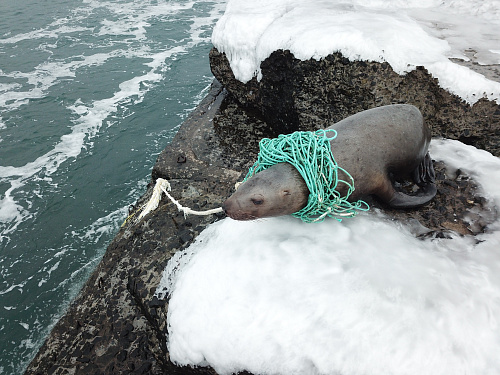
[423, 196]
[424, 176]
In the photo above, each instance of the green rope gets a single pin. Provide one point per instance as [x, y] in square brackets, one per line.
[311, 154]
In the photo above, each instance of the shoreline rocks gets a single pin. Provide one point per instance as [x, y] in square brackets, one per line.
[117, 325]
[309, 95]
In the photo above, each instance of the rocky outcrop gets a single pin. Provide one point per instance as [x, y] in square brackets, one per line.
[306, 95]
[116, 325]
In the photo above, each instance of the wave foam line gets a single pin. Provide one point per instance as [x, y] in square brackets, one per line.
[90, 118]
[44, 76]
[89, 121]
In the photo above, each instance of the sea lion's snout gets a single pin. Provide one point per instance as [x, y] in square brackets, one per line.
[245, 203]
[278, 190]
[232, 208]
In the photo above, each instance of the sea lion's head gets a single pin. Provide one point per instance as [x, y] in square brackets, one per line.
[276, 191]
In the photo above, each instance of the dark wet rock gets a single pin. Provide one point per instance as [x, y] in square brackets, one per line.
[457, 207]
[117, 325]
[307, 95]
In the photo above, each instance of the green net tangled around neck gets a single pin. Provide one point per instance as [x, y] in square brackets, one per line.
[311, 154]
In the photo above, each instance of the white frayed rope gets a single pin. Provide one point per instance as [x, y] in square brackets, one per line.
[163, 185]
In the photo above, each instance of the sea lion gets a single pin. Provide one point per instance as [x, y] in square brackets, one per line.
[375, 147]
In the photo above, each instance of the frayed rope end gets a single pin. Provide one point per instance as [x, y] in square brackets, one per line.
[154, 201]
[163, 185]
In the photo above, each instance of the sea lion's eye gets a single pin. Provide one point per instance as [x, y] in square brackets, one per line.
[257, 202]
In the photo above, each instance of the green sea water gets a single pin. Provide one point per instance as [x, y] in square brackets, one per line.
[90, 92]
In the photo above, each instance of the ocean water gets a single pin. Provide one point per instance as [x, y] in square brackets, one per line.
[90, 92]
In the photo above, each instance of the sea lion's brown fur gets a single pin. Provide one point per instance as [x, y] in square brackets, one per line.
[372, 146]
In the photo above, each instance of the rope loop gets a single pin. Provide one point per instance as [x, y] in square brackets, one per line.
[311, 154]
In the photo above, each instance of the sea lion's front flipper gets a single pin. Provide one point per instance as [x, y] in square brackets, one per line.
[424, 176]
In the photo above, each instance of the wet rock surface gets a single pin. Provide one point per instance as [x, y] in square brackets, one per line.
[307, 95]
[116, 325]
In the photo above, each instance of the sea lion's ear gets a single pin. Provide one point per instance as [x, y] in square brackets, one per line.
[286, 192]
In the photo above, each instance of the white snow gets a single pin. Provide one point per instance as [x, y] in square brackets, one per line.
[405, 33]
[363, 296]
